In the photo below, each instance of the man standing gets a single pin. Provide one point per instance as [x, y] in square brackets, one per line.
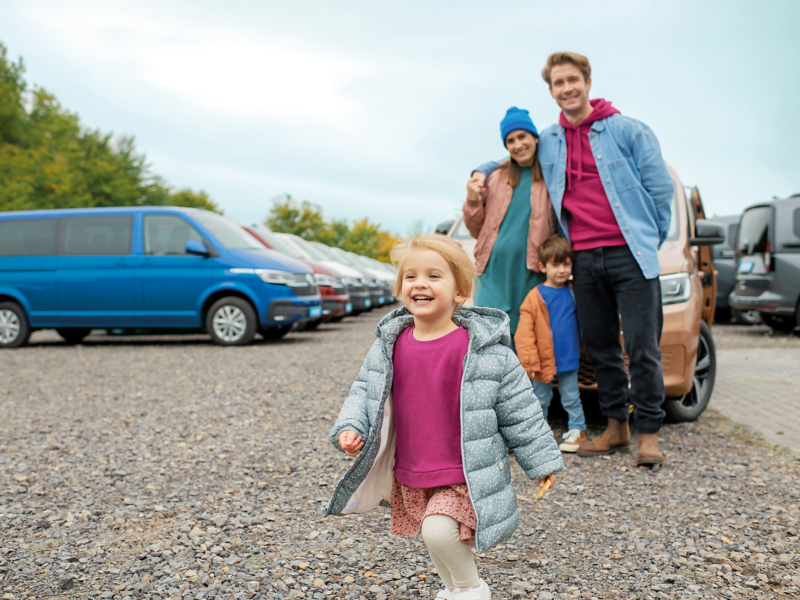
[612, 194]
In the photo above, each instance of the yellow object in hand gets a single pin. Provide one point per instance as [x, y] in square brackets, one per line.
[542, 490]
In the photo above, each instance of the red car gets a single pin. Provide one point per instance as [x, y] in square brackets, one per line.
[335, 299]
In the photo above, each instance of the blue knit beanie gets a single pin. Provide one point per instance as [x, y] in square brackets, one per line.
[516, 118]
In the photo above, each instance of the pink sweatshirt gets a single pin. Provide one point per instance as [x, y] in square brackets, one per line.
[427, 409]
[591, 221]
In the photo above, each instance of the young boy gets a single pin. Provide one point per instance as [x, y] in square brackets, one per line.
[548, 339]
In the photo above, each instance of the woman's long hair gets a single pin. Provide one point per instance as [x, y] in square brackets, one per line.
[514, 169]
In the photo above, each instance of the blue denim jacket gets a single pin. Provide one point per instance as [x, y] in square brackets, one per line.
[634, 175]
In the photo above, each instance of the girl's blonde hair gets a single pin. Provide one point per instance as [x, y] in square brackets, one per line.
[447, 248]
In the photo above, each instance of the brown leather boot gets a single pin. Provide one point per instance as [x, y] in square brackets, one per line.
[616, 436]
[649, 454]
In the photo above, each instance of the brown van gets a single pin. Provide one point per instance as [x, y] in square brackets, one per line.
[688, 294]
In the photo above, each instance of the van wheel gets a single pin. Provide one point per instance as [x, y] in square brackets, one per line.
[231, 321]
[695, 402]
[73, 336]
[274, 333]
[779, 323]
[14, 328]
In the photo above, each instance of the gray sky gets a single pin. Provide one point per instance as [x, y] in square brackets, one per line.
[381, 109]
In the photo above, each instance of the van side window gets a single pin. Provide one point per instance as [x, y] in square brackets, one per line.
[28, 237]
[754, 231]
[166, 235]
[797, 222]
[107, 235]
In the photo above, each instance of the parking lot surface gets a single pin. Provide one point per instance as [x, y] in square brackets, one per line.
[758, 382]
[166, 467]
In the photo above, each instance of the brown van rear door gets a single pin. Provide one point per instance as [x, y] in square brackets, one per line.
[706, 263]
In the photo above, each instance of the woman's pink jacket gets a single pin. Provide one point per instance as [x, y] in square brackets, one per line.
[484, 215]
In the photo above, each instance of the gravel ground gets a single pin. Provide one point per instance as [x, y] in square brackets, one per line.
[168, 467]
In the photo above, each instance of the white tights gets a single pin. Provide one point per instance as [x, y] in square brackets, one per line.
[452, 558]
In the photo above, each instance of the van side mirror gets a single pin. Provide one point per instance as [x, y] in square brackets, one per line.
[196, 247]
[707, 233]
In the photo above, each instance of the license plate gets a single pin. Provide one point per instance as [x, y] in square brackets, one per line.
[348, 307]
[380, 300]
[368, 302]
[746, 266]
[315, 311]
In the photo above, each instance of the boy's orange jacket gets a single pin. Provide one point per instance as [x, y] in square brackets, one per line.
[534, 339]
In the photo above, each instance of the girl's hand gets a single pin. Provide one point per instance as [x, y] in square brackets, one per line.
[351, 443]
[475, 185]
[551, 478]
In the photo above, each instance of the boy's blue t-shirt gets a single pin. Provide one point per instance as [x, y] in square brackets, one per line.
[563, 325]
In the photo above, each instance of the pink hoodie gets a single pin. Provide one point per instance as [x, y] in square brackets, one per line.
[591, 221]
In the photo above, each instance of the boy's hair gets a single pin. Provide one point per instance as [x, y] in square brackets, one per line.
[560, 58]
[449, 249]
[557, 249]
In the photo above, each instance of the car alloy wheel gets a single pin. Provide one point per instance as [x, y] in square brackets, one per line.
[15, 331]
[9, 327]
[229, 323]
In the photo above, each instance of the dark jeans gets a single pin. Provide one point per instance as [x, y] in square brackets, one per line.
[609, 285]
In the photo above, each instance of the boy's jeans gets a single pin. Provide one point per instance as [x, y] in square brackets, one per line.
[570, 398]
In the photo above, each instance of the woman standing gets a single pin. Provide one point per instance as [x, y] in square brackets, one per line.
[510, 216]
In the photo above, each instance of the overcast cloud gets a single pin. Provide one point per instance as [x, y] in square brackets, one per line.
[381, 110]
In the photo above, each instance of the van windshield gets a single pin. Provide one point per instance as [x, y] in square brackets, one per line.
[228, 233]
[754, 231]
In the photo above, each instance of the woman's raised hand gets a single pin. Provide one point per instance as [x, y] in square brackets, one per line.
[475, 185]
[350, 442]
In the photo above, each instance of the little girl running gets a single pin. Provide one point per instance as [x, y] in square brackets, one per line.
[439, 400]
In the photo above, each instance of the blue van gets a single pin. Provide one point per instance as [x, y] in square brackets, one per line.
[139, 269]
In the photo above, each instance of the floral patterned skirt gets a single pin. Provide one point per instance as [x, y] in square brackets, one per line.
[410, 506]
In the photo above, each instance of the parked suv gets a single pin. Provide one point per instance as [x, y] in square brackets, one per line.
[768, 263]
[140, 269]
[688, 295]
[726, 274]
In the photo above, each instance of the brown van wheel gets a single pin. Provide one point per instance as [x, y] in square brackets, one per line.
[692, 405]
[14, 327]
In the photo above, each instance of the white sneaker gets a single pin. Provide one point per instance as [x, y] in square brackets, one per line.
[482, 592]
[446, 594]
[571, 440]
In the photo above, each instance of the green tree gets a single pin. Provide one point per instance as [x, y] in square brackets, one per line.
[302, 219]
[306, 220]
[47, 160]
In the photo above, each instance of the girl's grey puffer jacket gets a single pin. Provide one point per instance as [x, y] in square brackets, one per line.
[498, 411]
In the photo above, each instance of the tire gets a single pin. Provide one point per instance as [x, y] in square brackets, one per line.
[73, 336]
[231, 321]
[780, 323]
[14, 327]
[692, 405]
[275, 333]
[337, 319]
[312, 325]
[747, 317]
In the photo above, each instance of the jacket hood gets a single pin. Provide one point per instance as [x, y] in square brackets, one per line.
[486, 326]
[601, 109]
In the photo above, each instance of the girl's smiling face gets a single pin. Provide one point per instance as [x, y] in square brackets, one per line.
[429, 288]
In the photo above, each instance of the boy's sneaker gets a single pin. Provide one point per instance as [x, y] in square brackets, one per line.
[446, 594]
[571, 440]
[482, 592]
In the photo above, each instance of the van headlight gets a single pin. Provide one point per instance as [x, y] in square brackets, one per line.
[675, 288]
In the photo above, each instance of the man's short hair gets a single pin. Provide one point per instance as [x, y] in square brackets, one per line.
[556, 249]
[560, 58]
